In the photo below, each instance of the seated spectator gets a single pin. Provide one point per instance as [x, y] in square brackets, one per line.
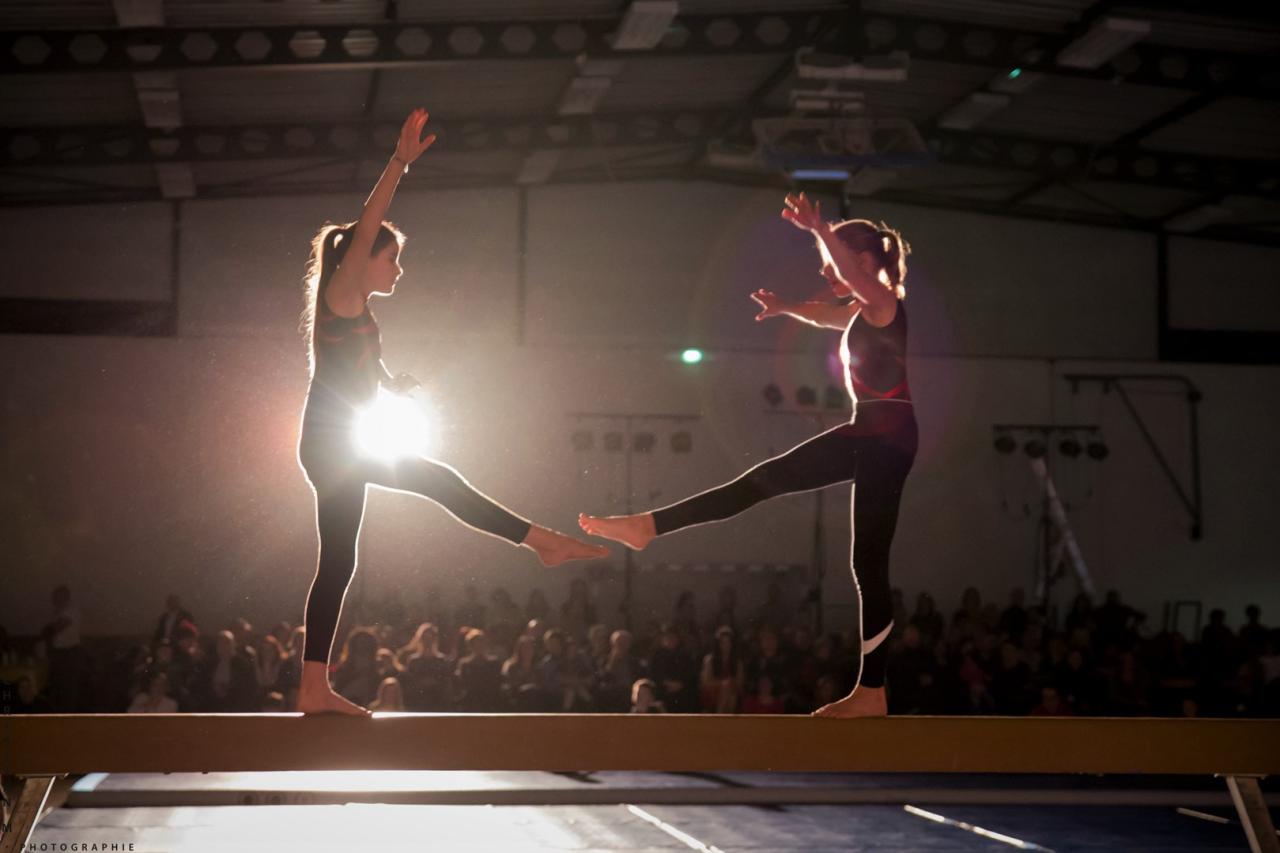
[389, 696]
[188, 658]
[1051, 704]
[927, 620]
[520, 677]
[356, 677]
[770, 660]
[597, 646]
[722, 675]
[247, 640]
[763, 700]
[23, 698]
[479, 676]
[614, 680]
[1078, 685]
[155, 699]
[826, 691]
[1253, 634]
[388, 666]
[1013, 619]
[977, 700]
[271, 658]
[1128, 687]
[1117, 623]
[675, 673]
[644, 699]
[426, 680]
[563, 677]
[227, 681]
[912, 676]
[1011, 682]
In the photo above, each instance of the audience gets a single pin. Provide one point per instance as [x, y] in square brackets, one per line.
[980, 658]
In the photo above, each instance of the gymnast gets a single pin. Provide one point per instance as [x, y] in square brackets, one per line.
[865, 265]
[350, 264]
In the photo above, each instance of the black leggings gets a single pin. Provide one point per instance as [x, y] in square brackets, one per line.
[339, 479]
[875, 452]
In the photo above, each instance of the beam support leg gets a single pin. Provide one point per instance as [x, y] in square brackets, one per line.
[33, 792]
[1252, 809]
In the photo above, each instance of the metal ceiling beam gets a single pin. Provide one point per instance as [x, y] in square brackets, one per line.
[384, 45]
[1039, 158]
[381, 45]
[911, 198]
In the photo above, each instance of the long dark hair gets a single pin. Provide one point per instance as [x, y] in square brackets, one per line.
[884, 243]
[328, 248]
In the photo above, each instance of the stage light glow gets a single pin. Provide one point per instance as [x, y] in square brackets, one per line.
[691, 356]
[394, 427]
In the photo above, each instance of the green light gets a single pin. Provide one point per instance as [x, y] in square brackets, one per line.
[691, 356]
[1015, 73]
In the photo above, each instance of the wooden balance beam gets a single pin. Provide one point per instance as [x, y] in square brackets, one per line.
[39, 748]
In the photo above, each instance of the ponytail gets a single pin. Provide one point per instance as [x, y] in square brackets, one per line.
[886, 244]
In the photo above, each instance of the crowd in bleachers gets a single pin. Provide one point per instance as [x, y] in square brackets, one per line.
[492, 654]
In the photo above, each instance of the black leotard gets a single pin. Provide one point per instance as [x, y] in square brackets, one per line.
[875, 358]
[346, 352]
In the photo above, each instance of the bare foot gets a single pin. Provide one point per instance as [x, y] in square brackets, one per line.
[554, 548]
[634, 531]
[328, 702]
[315, 696]
[862, 702]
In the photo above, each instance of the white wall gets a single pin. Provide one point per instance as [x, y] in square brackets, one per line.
[143, 466]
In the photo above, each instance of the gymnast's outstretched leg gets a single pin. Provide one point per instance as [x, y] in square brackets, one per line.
[823, 460]
[444, 485]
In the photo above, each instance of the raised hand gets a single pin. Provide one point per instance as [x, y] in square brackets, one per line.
[411, 144]
[770, 304]
[803, 214]
[401, 383]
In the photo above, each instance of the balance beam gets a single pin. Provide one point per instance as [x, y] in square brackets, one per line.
[39, 747]
[36, 745]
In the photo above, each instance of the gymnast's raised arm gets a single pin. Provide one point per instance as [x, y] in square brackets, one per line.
[344, 293]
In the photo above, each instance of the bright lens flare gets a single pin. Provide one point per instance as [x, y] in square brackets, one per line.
[394, 427]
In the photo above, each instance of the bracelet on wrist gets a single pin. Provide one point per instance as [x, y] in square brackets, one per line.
[404, 164]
